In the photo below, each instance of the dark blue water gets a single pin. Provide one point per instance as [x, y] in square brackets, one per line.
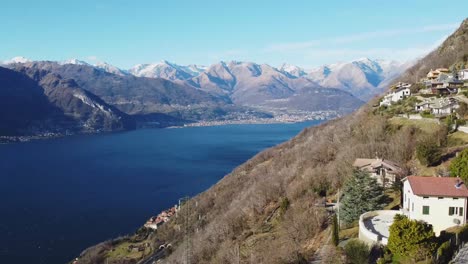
[59, 196]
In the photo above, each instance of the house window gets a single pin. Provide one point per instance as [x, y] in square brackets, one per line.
[440, 198]
[452, 210]
[455, 198]
[425, 197]
[460, 211]
[425, 210]
[412, 207]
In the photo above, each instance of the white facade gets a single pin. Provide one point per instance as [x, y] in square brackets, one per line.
[439, 211]
[463, 74]
[395, 96]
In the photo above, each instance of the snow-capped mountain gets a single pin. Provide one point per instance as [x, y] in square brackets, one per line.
[248, 82]
[110, 68]
[166, 70]
[363, 78]
[293, 70]
[74, 61]
[18, 59]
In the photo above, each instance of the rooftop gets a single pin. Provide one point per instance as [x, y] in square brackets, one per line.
[437, 186]
[375, 163]
[438, 102]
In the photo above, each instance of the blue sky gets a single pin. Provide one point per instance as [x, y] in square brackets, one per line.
[306, 33]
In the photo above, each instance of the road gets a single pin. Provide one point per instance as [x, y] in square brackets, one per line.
[154, 258]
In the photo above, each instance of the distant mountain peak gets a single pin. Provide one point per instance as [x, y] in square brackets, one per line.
[110, 68]
[18, 59]
[74, 61]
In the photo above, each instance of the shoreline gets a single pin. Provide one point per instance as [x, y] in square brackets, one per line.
[263, 121]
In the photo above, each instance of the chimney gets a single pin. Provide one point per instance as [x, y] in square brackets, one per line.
[458, 184]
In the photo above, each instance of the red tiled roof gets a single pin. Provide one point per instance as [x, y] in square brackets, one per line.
[437, 186]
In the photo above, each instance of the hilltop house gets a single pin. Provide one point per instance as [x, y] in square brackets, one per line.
[402, 90]
[439, 201]
[434, 74]
[438, 106]
[385, 171]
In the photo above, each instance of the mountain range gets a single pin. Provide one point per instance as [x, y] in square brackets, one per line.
[169, 94]
[364, 78]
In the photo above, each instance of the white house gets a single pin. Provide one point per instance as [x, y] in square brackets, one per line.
[439, 201]
[463, 74]
[396, 95]
[384, 171]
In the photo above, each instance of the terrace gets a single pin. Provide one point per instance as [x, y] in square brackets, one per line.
[374, 226]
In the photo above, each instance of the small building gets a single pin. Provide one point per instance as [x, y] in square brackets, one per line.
[386, 172]
[395, 96]
[439, 201]
[438, 106]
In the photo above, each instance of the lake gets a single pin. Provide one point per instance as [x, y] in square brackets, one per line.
[60, 196]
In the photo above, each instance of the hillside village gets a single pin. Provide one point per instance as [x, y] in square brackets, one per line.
[438, 95]
[436, 203]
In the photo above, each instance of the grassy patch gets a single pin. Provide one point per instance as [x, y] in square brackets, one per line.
[458, 138]
[394, 199]
[428, 126]
[122, 251]
[352, 232]
[397, 259]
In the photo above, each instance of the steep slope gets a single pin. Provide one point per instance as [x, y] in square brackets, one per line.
[453, 51]
[23, 104]
[35, 102]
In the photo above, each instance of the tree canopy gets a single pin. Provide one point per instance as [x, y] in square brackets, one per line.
[459, 166]
[411, 238]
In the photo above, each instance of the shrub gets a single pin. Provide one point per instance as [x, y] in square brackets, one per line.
[427, 114]
[411, 238]
[284, 205]
[459, 166]
[428, 151]
[357, 252]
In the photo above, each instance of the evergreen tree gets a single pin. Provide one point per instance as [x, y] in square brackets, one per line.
[362, 194]
[335, 231]
[459, 166]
